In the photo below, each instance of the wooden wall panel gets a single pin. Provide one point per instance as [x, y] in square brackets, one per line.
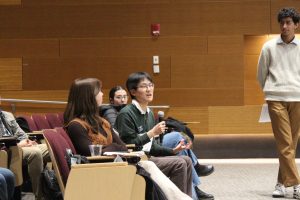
[134, 19]
[236, 120]
[51, 95]
[111, 70]
[251, 71]
[258, 23]
[230, 1]
[10, 2]
[89, 2]
[10, 17]
[253, 44]
[10, 74]
[187, 97]
[276, 5]
[196, 117]
[163, 46]
[196, 18]
[29, 48]
[225, 44]
[61, 21]
[207, 71]
[97, 2]
[43, 95]
[253, 93]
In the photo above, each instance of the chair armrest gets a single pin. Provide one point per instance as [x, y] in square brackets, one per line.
[36, 135]
[93, 165]
[38, 132]
[9, 141]
[103, 180]
[100, 158]
[3, 159]
[133, 147]
[16, 163]
[130, 146]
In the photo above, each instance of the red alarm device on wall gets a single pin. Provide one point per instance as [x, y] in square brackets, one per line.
[155, 30]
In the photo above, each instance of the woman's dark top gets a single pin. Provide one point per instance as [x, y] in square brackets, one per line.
[81, 135]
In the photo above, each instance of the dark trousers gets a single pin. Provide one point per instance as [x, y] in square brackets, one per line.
[178, 169]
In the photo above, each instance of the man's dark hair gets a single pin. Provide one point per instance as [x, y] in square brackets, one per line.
[134, 79]
[288, 12]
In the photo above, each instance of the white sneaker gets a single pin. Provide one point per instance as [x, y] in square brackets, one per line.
[296, 194]
[279, 191]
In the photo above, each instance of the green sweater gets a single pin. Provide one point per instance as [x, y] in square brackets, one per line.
[133, 126]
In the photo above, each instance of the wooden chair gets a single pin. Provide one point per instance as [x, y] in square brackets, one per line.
[111, 181]
[3, 159]
[12, 159]
[100, 180]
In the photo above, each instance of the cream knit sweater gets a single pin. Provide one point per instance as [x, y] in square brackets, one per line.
[279, 70]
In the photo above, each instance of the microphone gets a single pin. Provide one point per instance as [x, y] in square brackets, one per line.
[161, 115]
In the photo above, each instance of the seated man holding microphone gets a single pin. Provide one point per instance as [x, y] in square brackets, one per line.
[136, 124]
[118, 99]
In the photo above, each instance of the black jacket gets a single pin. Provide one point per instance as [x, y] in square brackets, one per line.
[110, 113]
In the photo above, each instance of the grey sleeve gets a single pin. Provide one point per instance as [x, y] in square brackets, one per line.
[17, 131]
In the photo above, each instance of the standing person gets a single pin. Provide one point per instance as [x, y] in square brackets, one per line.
[279, 77]
[34, 155]
[118, 99]
[7, 184]
[85, 127]
[136, 125]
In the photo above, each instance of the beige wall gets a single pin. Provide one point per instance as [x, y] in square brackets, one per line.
[208, 53]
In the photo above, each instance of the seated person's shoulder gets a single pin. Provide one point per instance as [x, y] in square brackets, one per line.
[8, 115]
[126, 108]
[104, 108]
[74, 124]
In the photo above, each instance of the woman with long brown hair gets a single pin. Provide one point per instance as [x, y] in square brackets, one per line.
[82, 120]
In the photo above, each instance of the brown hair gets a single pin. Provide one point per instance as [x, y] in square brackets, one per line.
[82, 102]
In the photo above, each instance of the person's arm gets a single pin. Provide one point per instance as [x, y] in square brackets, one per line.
[79, 136]
[127, 130]
[159, 150]
[130, 135]
[263, 67]
[117, 144]
[16, 129]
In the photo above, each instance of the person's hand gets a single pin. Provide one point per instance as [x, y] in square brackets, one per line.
[26, 143]
[157, 129]
[33, 142]
[181, 146]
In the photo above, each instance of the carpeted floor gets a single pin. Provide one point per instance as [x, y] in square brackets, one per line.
[243, 179]
[238, 179]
